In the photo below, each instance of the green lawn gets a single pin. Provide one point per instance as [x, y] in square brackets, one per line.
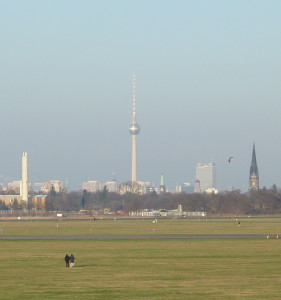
[141, 269]
[164, 226]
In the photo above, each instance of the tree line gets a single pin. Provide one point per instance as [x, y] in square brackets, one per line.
[263, 201]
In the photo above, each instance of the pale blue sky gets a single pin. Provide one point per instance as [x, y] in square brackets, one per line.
[208, 86]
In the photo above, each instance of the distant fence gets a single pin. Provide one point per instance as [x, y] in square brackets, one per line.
[196, 214]
[167, 214]
[18, 213]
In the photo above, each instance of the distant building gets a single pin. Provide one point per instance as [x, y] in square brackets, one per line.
[197, 187]
[159, 213]
[97, 186]
[3, 187]
[254, 172]
[23, 201]
[129, 187]
[57, 185]
[14, 186]
[36, 187]
[138, 187]
[92, 186]
[205, 173]
[147, 187]
[212, 191]
[184, 188]
[36, 202]
[112, 186]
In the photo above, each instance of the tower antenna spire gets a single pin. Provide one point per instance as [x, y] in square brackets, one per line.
[134, 94]
[134, 131]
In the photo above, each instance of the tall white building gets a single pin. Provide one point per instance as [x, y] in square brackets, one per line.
[205, 173]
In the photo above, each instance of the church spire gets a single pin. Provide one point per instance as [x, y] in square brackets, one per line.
[254, 172]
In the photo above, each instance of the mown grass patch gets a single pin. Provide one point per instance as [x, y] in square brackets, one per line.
[142, 226]
[141, 269]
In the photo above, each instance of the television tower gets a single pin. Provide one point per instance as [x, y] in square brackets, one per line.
[162, 185]
[134, 130]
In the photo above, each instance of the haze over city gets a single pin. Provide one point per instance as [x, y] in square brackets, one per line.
[207, 88]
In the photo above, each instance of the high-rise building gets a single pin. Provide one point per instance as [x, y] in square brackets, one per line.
[134, 130]
[205, 173]
[92, 186]
[112, 186]
[254, 172]
[52, 185]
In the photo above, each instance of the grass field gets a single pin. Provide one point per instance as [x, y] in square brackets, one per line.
[141, 268]
[142, 226]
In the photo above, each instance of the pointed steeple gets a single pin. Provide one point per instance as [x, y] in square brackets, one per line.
[254, 166]
[254, 172]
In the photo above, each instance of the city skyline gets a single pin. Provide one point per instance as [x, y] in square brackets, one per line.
[205, 175]
[208, 87]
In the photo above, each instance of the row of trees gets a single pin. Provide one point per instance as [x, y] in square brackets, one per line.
[265, 201]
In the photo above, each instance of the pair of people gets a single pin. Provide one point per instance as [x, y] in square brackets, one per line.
[69, 260]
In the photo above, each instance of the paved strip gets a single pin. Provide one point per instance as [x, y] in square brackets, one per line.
[130, 236]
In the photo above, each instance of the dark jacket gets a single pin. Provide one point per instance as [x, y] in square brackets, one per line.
[71, 258]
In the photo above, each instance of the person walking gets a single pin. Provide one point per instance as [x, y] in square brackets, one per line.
[71, 260]
[67, 258]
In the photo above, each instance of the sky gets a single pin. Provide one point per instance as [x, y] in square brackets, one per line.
[208, 79]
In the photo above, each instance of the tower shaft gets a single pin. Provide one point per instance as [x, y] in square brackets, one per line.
[24, 182]
[134, 158]
[162, 185]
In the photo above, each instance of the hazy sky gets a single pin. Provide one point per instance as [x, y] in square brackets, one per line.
[208, 86]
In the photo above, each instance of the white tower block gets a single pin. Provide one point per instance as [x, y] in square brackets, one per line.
[24, 182]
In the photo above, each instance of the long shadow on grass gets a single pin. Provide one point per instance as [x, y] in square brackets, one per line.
[88, 265]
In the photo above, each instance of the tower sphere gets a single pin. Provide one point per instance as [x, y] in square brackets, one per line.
[134, 129]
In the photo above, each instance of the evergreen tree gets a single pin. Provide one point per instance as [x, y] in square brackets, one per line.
[84, 199]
